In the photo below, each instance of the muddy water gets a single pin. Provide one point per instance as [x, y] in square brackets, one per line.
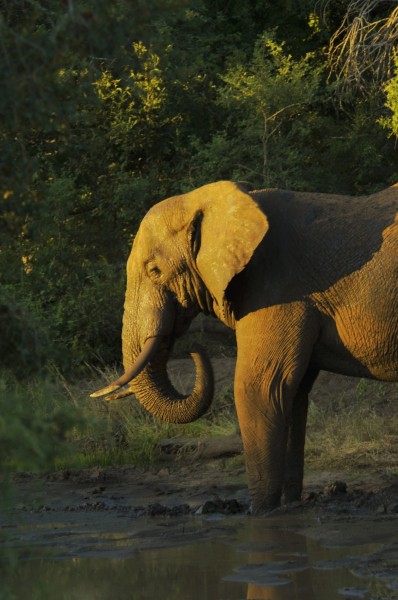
[198, 558]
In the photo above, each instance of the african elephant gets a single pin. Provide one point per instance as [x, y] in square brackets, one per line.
[308, 282]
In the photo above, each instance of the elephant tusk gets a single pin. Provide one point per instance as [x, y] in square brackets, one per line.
[118, 395]
[148, 351]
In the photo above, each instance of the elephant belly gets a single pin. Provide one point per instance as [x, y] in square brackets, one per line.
[360, 343]
[334, 357]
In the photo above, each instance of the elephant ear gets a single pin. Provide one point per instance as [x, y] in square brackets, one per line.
[232, 227]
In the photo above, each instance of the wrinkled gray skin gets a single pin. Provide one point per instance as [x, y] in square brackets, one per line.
[307, 281]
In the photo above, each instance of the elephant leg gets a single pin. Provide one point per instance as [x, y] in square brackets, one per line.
[264, 433]
[266, 409]
[294, 466]
[274, 351]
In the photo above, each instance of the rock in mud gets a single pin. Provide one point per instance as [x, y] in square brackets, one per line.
[156, 510]
[225, 507]
[335, 488]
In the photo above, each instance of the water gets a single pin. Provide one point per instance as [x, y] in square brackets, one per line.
[234, 558]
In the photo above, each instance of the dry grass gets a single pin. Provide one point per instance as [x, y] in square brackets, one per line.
[123, 432]
[352, 423]
[358, 429]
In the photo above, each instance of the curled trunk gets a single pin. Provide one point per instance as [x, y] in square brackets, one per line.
[157, 394]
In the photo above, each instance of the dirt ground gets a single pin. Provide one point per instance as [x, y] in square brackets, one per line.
[70, 511]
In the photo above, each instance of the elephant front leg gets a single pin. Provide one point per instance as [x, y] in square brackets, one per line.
[264, 433]
[274, 351]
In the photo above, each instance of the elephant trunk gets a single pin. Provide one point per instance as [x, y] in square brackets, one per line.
[152, 386]
[146, 365]
[157, 394]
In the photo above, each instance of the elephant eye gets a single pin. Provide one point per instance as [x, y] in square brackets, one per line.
[153, 270]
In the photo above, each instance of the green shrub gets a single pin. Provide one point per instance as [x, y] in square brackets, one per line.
[23, 340]
[36, 420]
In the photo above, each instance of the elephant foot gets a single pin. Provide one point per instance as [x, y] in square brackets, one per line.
[292, 493]
[263, 511]
[265, 505]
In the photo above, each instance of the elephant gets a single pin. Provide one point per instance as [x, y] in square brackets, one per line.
[308, 281]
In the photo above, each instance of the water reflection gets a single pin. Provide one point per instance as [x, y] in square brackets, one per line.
[253, 559]
[192, 572]
[281, 565]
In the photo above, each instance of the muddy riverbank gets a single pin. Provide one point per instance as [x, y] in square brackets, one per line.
[182, 529]
[94, 530]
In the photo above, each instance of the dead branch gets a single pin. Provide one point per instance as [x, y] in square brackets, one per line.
[361, 51]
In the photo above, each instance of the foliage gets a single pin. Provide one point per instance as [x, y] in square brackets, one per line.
[391, 89]
[35, 423]
[267, 97]
[23, 338]
[110, 107]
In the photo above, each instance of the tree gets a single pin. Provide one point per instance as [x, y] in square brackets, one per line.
[268, 95]
[360, 52]
[109, 107]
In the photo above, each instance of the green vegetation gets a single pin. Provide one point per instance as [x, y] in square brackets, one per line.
[35, 427]
[109, 107]
[391, 121]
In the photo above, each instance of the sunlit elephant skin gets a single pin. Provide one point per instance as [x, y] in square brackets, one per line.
[307, 281]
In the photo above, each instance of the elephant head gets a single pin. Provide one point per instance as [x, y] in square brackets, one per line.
[186, 252]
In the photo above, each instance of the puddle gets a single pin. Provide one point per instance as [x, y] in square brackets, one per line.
[233, 558]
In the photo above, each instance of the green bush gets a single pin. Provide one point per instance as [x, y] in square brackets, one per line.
[23, 339]
[391, 89]
[35, 421]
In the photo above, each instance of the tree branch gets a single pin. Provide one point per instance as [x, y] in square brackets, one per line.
[361, 50]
